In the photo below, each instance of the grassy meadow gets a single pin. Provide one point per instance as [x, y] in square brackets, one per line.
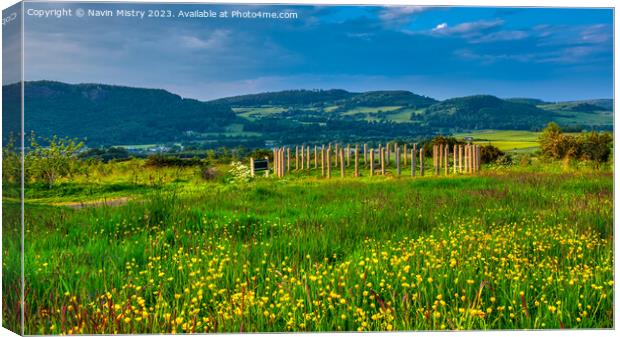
[519, 247]
[506, 140]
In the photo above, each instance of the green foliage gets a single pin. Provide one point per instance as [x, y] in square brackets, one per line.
[106, 154]
[397, 249]
[286, 97]
[56, 160]
[11, 162]
[593, 146]
[596, 146]
[113, 115]
[162, 160]
[441, 140]
[239, 173]
[486, 112]
[490, 154]
[157, 117]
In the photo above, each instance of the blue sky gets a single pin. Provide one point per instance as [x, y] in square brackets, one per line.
[549, 53]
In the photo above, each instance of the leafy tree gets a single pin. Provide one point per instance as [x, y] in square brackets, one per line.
[490, 154]
[58, 159]
[593, 146]
[441, 140]
[596, 146]
[554, 144]
[11, 161]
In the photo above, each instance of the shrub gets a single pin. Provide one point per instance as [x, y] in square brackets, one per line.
[441, 140]
[596, 146]
[208, 173]
[239, 173]
[160, 160]
[59, 159]
[504, 160]
[490, 154]
[593, 146]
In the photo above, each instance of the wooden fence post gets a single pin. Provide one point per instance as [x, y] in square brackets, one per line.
[382, 158]
[316, 160]
[441, 155]
[471, 158]
[479, 157]
[322, 160]
[336, 155]
[329, 166]
[446, 153]
[280, 168]
[252, 167]
[465, 147]
[413, 157]
[365, 154]
[348, 155]
[275, 161]
[397, 160]
[308, 157]
[303, 157]
[276, 166]
[405, 155]
[281, 161]
[421, 161]
[388, 147]
[460, 155]
[468, 159]
[283, 164]
[454, 162]
[341, 163]
[435, 158]
[356, 163]
[372, 162]
[296, 157]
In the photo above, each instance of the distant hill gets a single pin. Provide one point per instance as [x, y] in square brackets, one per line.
[286, 97]
[605, 104]
[118, 115]
[583, 105]
[11, 112]
[107, 114]
[341, 98]
[530, 101]
[486, 112]
[388, 98]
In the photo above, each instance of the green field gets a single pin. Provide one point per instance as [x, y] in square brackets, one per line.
[505, 140]
[512, 248]
[258, 112]
[566, 117]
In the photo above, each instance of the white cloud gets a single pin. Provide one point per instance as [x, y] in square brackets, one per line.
[440, 27]
[468, 28]
[504, 35]
[217, 39]
[400, 14]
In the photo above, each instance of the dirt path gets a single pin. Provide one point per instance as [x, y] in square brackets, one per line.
[95, 203]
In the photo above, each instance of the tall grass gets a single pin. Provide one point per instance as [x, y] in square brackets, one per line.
[511, 249]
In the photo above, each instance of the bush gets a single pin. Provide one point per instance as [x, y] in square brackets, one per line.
[596, 146]
[239, 173]
[593, 146]
[441, 140]
[170, 161]
[208, 173]
[504, 160]
[490, 154]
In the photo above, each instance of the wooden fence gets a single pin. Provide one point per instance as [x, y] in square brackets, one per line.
[446, 159]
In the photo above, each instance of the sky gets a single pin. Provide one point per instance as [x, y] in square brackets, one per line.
[554, 54]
